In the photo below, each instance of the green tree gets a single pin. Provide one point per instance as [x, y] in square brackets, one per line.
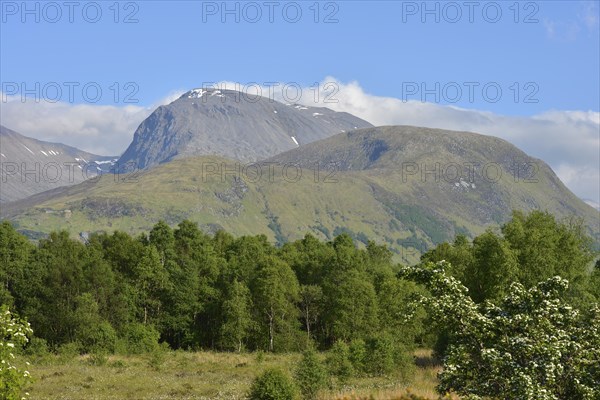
[594, 282]
[350, 304]
[308, 258]
[163, 239]
[546, 247]
[151, 280]
[396, 313]
[92, 332]
[378, 263]
[275, 291]
[51, 285]
[459, 255]
[237, 318]
[311, 297]
[493, 268]
[14, 256]
[193, 273]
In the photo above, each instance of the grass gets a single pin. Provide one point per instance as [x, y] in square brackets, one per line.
[200, 375]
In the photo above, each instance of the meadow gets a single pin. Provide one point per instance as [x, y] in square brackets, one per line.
[180, 375]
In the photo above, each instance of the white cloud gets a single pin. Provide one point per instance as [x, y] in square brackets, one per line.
[104, 130]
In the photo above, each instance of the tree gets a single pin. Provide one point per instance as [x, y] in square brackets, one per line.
[350, 305]
[311, 297]
[545, 247]
[193, 270]
[275, 290]
[492, 270]
[162, 237]
[395, 307]
[14, 255]
[311, 376]
[151, 280]
[530, 345]
[51, 285]
[92, 333]
[14, 333]
[594, 282]
[378, 263]
[308, 258]
[533, 247]
[237, 319]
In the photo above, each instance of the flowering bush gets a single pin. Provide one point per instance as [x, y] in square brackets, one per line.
[531, 345]
[13, 333]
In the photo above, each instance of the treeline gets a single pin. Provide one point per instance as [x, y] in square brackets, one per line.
[530, 248]
[197, 291]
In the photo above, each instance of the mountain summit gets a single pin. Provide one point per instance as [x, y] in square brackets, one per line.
[231, 124]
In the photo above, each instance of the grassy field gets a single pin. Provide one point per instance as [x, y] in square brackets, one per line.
[201, 375]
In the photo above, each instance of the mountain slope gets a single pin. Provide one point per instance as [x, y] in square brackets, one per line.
[31, 166]
[371, 193]
[230, 124]
[473, 177]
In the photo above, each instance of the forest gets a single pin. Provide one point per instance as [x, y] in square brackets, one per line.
[184, 289]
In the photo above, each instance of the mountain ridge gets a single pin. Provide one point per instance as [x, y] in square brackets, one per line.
[31, 166]
[366, 197]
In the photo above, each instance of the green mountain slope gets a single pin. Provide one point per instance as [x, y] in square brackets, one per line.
[405, 186]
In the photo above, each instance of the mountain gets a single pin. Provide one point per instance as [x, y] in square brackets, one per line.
[366, 182]
[230, 124]
[31, 166]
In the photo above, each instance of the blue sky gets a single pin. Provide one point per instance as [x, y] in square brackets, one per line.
[525, 71]
[383, 45]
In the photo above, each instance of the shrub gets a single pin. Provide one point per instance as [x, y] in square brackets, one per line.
[380, 355]
[98, 359]
[37, 347]
[311, 376]
[100, 338]
[260, 356]
[158, 356]
[272, 384]
[68, 351]
[140, 338]
[358, 354]
[338, 361]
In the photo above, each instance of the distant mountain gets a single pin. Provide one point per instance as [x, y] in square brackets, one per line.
[31, 166]
[404, 186]
[230, 124]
